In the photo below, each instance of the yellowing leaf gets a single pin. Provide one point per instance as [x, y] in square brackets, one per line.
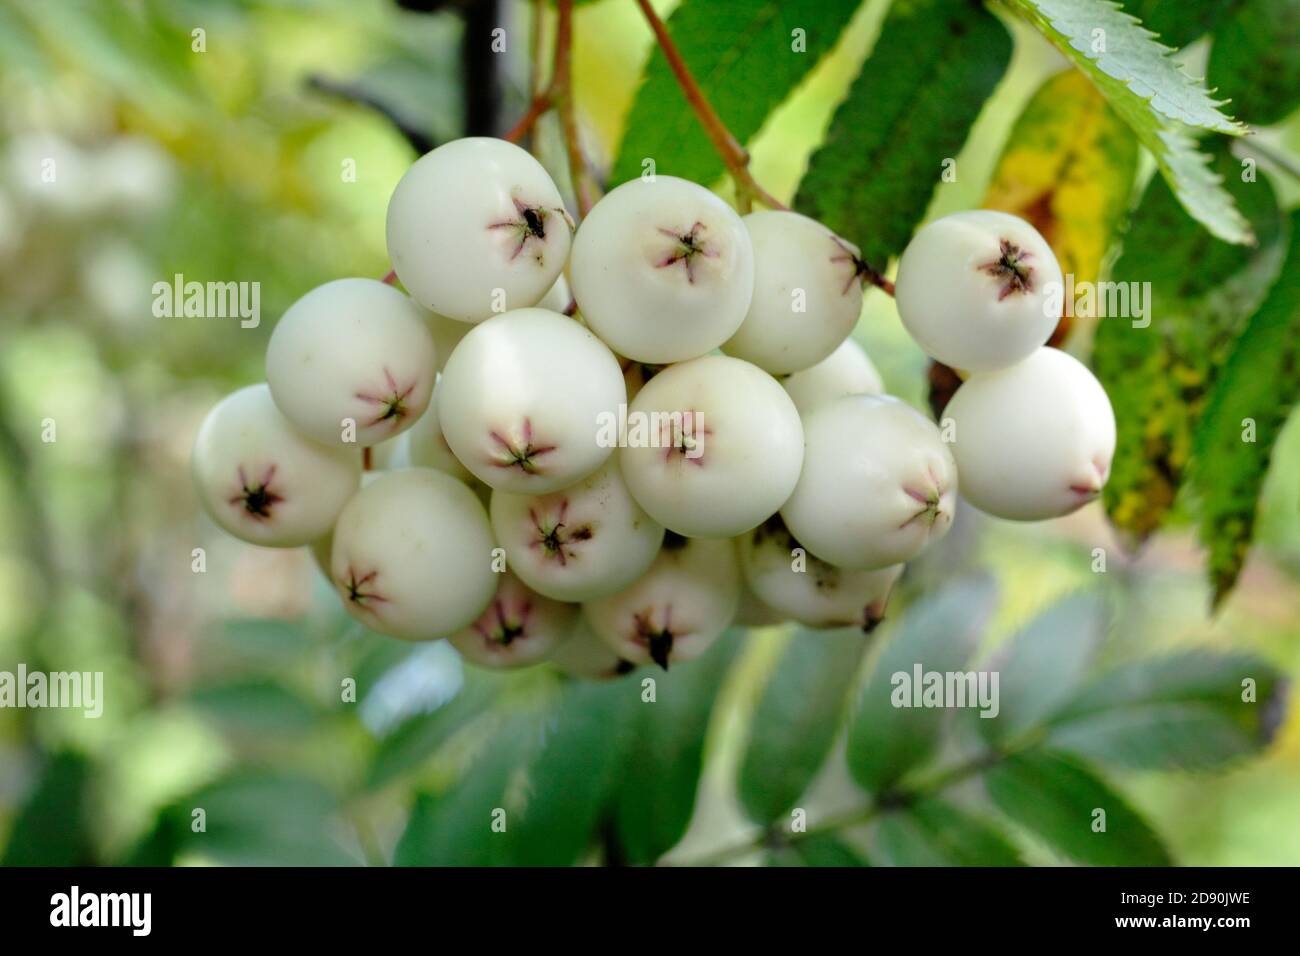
[1068, 168]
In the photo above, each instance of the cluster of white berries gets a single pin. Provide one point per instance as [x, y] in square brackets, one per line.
[692, 440]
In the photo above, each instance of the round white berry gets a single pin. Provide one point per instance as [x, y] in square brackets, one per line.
[522, 399]
[426, 446]
[878, 483]
[262, 481]
[752, 612]
[784, 576]
[713, 447]
[1035, 440]
[807, 293]
[586, 655]
[662, 270]
[351, 351]
[846, 371]
[519, 627]
[976, 289]
[582, 542]
[558, 298]
[412, 555]
[446, 333]
[677, 608]
[476, 227]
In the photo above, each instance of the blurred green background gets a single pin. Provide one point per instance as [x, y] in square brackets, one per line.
[228, 164]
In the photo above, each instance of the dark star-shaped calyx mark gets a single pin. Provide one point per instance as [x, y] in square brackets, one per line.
[502, 625]
[522, 454]
[530, 226]
[858, 266]
[257, 498]
[556, 537]
[687, 247]
[658, 640]
[359, 589]
[391, 400]
[1012, 269]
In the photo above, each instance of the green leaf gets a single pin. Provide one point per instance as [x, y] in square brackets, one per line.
[1255, 60]
[741, 52]
[822, 850]
[1178, 22]
[661, 769]
[569, 780]
[1152, 94]
[1159, 375]
[797, 719]
[255, 707]
[1253, 397]
[264, 818]
[1068, 167]
[419, 737]
[461, 826]
[52, 828]
[872, 179]
[935, 833]
[940, 634]
[1058, 799]
[261, 640]
[1044, 664]
[1180, 711]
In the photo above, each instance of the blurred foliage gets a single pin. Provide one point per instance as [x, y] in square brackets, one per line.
[229, 733]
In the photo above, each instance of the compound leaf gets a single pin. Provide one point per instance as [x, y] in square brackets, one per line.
[872, 179]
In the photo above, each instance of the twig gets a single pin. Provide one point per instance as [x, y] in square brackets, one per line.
[884, 803]
[420, 141]
[562, 94]
[390, 279]
[733, 155]
[539, 105]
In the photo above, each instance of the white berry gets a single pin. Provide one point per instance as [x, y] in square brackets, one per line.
[262, 481]
[412, 555]
[662, 270]
[1035, 440]
[976, 289]
[878, 483]
[351, 351]
[586, 655]
[522, 397]
[426, 446]
[476, 227]
[558, 298]
[446, 333]
[846, 371]
[519, 627]
[713, 447]
[785, 577]
[807, 293]
[676, 609]
[752, 612]
[582, 542]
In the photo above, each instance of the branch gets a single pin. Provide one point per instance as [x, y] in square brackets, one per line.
[562, 92]
[733, 155]
[420, 141]
[884, 803]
